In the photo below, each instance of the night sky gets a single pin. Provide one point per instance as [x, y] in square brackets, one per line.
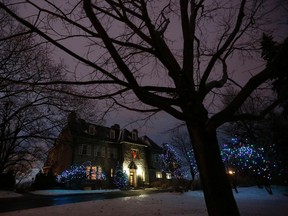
[156, 126]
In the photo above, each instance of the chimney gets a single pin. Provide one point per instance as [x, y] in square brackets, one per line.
[115, 127]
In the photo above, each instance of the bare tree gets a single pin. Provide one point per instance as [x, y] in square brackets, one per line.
[248, 128]
[181, 141]
[30, 116]
[171, 56]
[265, 133]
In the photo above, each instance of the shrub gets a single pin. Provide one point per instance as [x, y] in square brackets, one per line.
[120, 178]
[7, 180]
[73, 176]
[44, 181]
[156, 184]
[24, 187]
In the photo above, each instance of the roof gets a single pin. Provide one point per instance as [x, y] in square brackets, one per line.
[80, 127]
[151, 143]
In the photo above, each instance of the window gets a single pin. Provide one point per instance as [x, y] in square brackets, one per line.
[99, 174]
[99, 151]
[85, 149]
[111, 172]
[168, 176]
[134, 135]
[91, 172]
[174, 165]
[158, 175]
[109, 153]
[135, 153]
[92, 130]
[94, 172]
[103, 151]
[112, 153]
[156, 158]
[112, 134]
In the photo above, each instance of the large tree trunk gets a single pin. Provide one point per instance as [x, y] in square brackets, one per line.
[215, 182]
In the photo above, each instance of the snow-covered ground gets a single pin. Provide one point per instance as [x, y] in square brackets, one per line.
[251, 201]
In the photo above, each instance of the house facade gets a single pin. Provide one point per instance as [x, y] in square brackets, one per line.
[101, 149]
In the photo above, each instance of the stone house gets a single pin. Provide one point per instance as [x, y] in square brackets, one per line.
[102, 148]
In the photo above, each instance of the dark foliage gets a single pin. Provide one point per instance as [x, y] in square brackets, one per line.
[276, 56]
[45, 181]
[7, 180]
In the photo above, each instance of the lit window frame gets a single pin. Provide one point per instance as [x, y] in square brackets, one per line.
[168, 176]
[158, 175]
[135, 154]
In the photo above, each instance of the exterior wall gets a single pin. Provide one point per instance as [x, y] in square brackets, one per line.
[103, 148]
[155, 167]
[63, 158]
[61, 155]
[105, 160]
[138, 176]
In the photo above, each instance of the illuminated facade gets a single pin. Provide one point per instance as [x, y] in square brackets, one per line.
[101, 148]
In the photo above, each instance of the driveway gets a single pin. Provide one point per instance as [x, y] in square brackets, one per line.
[30, 200]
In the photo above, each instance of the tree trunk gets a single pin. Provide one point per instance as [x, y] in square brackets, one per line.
[192, 171]
[215, 182]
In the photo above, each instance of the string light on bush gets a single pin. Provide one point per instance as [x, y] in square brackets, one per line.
[247, 159]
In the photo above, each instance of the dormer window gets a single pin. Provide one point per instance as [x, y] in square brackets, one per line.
[134, 135]
[92, 130]
[112, 134]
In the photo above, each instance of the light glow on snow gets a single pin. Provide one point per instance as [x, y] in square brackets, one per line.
[251, 201]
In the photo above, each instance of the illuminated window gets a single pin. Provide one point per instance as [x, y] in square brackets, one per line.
[85, 149]
[99, 173]
[158, 174]
[135, 154]
[143, 176]
[168, 176]
[91, 172]
[111, 172]
[174, 165]
[88, 172]
[94, 172]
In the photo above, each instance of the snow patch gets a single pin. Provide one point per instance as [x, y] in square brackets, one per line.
[252, 201]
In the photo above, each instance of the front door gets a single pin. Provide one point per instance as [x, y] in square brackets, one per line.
[132, 178]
